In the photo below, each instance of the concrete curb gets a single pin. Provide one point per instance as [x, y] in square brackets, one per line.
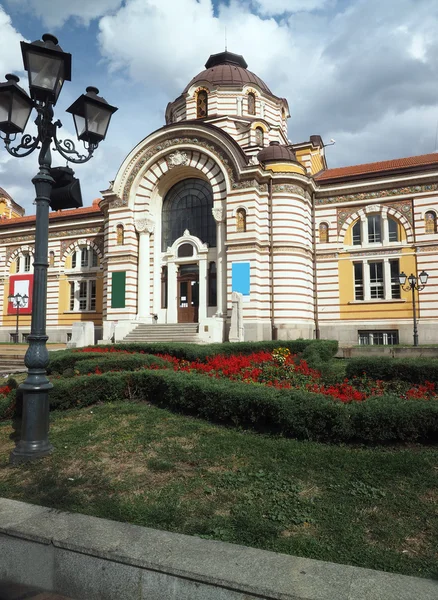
[98, 559]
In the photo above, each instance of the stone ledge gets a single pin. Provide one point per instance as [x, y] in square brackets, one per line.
[117, 560]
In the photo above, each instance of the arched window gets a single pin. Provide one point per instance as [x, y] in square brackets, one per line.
[120, 235]
[188, 205]
[185, 250]
[392, 230]
[51, 259]
[240, 220]
[212, 284]
[259, 136]
[357, 237]
[202, 104]
[323, 233]
[430, 222]
[251, 103]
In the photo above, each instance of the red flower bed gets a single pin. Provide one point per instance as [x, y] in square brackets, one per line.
[282, 370]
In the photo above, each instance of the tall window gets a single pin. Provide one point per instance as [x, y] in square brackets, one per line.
[164, 287]
[188, 205]
[259, 136]
[84, 257]
[82, 295]
[120, 235]
[23, 263]
[376, 280]
[323, 233]
[251, 103]
[374, 229]
[382, 280]
[395, 284]
[240, 220]
[51, 259]
[393, 230]
[358, 281]
[202, 104]
[430, 222]
[212, 284]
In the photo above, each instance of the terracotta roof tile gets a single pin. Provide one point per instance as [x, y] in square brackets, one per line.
[77, 212]
[423, 160]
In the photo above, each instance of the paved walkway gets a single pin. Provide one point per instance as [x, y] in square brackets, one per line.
[14, 591]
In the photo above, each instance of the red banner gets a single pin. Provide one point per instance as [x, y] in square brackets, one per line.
[21, 284]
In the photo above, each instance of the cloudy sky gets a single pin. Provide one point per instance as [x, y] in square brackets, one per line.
[363, 72]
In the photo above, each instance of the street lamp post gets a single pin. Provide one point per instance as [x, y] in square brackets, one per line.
[47, 67]
[414, 285]
[18, 301]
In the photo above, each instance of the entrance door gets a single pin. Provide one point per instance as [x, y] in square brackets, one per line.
[188, 294]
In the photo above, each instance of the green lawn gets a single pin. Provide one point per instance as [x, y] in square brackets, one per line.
[131, 462]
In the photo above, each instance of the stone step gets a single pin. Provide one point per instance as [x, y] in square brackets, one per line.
[172, 332]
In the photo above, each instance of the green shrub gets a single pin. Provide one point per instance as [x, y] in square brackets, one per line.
[293, 413]
[325, 349]
[412, 370]
[121, 362]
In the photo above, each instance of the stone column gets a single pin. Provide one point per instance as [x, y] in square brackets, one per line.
[364, 230]
[221, 267]
[202, 313]
[387, 278]
[172, 293]
[366, 280]
[144, 228]
[385, 228]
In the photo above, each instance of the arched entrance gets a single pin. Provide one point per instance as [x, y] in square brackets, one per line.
[188, 293]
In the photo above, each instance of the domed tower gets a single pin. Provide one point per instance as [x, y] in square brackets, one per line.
[233, 98]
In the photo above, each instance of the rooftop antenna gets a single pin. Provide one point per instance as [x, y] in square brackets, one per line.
[226, 39]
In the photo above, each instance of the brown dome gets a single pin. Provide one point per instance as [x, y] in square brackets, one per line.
[228, 69]
[276, 152]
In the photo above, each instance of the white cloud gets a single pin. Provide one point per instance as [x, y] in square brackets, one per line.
[54, 13]
[279, 7]
[10, 55]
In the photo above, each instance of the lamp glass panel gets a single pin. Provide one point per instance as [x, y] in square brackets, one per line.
[5, 103]
[98, 119]
[20, 111]
[44, 71]
[80, 125]
[402, 278]
[423, 277]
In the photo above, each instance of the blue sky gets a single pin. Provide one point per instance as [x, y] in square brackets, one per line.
[363, 72]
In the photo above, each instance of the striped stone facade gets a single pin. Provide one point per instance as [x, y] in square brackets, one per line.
[313, 251]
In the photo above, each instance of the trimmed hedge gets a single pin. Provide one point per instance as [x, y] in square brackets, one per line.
[121, 362]
[318, 351]
[412, 370]
[292, 413]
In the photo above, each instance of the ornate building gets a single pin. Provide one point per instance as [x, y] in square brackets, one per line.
[219, 201]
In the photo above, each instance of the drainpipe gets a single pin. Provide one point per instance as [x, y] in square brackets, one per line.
[315, 291]
[274, 330]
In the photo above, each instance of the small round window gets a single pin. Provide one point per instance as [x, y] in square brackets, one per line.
[185, 250]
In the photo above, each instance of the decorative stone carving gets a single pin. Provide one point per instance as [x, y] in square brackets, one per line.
[413, 189]
[146, 225]
[177, 159]
[218, 214]
[372, 208]
[289, 188]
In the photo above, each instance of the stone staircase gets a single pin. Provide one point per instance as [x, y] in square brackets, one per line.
[175, 332]
[11, 363]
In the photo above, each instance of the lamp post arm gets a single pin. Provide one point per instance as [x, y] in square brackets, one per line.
[27, 145]
[67, 149]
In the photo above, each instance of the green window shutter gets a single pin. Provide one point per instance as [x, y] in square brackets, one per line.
[118, 289]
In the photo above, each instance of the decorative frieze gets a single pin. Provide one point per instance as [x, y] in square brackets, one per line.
[412, 189]
[374, 253]
[288, 188]
[250, 183]
[177, 159]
